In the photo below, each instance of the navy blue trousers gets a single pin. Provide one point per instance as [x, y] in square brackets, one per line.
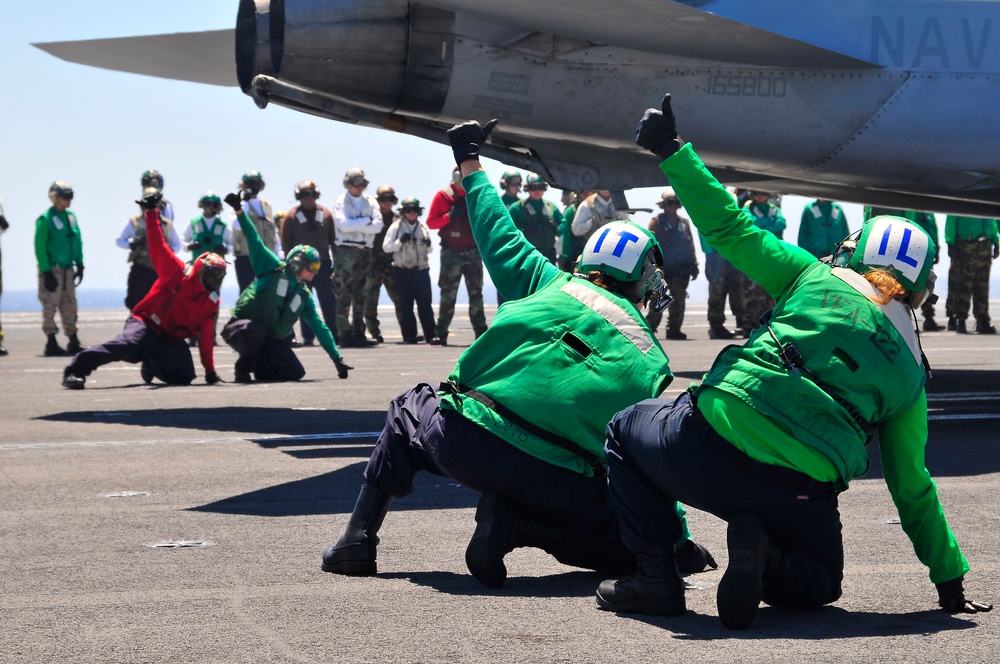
[269, 360]
[579, 527]
[413, 286]
[660, 452]
[244, 272]
[140, 281]
[169, 359]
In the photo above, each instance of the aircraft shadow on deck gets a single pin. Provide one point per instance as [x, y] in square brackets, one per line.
[336, 493]
[242, 419]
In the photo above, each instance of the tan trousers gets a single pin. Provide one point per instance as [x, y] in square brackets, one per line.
[63, 298]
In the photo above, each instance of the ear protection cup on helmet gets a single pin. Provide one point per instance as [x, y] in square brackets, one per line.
[651, 287]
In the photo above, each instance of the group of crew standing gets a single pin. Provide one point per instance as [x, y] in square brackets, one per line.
[366, 243]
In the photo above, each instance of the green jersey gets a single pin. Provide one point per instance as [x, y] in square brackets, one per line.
[562, 354]
[863, 354]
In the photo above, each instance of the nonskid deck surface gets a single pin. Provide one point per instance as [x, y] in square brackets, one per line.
[147, 523]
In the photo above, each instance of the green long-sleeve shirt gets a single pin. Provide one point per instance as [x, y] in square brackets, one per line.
[57, 240]
[858, 349]
[562, 354]
[970, 229]
[276, 299]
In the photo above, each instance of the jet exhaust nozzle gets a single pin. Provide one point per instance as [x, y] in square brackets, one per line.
[386, 55]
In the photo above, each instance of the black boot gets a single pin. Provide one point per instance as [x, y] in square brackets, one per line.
[146, 372]
[245, 364]
[501, 527]
[492, 540]
[740, 589]
[984, 327]
[655, 589]
[719, 332]
[71, 381]
[74, 345]
[53, 349]
[354, 553]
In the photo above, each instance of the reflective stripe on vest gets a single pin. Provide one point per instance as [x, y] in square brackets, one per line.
[611, 312]
[895, 311]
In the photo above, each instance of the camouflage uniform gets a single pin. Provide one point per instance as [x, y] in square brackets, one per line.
[972, 246]
[723, 280]
[351, 283]
[459, 258]
[454, 266]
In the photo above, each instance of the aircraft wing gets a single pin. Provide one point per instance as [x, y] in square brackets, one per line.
[656, 26]
[200, 57]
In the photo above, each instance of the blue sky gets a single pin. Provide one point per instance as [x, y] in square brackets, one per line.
[99, 130]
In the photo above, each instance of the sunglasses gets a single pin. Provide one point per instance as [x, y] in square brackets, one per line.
[313, 267]
[307, 194]
[408, 210]
[671, 201]
[66, 197]
[387, 198]
[536, 187]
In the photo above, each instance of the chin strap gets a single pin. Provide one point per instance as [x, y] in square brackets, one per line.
[916, 331]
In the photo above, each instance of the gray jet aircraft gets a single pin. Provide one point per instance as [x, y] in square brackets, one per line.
[886, 102]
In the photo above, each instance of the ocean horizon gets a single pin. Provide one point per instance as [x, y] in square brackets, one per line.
[112, 298]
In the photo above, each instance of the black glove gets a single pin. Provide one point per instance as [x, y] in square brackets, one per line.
[342, 368]
[191, 246]
[657, 131]
[135, 242]
[427, 241]
[150, 201]
[219, 249]
[467, 138]
[212, 378]
[3, 223]
[405, 237]
[50, 281]
[693, 558]
[233, 201]
[996, 250]
[694, 271]
[951, 598]
[78, 275]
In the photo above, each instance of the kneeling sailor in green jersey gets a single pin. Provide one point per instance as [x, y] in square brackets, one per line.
[268, 308]
[779, 426]
[522, 417]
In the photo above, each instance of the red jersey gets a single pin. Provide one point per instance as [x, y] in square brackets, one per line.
[178, 306]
